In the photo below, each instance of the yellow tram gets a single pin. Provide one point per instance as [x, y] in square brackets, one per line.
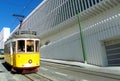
[22, 51]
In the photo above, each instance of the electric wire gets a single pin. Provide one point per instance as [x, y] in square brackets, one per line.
[26, 7]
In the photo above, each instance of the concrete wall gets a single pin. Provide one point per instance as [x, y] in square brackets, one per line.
[67, 44]
[106, 27]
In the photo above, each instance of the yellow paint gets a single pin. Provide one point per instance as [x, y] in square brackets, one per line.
[8, 58]
[21, 59]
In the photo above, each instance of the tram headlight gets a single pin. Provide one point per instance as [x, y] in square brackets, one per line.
[30, 61]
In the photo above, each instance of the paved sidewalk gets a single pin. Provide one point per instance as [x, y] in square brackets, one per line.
[111, 70]
[2, 68]
[4, 74]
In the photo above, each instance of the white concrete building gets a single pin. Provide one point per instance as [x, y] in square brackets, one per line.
[4, 34]
[59, 21]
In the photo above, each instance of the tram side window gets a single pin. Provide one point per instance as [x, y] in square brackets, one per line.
[21, 46]
[37, 46]
[30, 45]
[13, 47]
[7, 48]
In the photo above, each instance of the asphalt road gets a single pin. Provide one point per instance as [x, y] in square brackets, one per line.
[60, 72]
[57, 72]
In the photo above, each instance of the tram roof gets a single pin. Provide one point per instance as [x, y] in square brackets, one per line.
[24, 34]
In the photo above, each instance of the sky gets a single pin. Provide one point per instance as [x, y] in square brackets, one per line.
[10, 7]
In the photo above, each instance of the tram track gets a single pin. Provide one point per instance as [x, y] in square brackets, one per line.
[85, 71]
[36, 77]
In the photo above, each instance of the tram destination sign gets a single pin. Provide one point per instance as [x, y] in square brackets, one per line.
[25, 32]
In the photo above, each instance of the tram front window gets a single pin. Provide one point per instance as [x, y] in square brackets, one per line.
[30, 45]
[21, 46]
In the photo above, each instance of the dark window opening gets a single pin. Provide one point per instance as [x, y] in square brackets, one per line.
[37, 46]
[30, 45]
[47, 42]
[21, 46]
[13, 47]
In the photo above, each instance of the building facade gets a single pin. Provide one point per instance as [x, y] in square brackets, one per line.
[60, 23]
[4, 34]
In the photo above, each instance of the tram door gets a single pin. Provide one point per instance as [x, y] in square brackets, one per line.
[13, 52]
[18, 48]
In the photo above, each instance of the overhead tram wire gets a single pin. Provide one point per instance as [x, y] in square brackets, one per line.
[24, 8]
[29, 4]
[15, 5]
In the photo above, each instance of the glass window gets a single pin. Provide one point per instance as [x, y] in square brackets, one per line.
[1, 51]
[13, 47]
[21, 46]
[7, 48]
[37, 46]
[30, 45]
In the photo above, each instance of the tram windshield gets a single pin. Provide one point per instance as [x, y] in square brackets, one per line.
[30, 45]
[21, 45]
